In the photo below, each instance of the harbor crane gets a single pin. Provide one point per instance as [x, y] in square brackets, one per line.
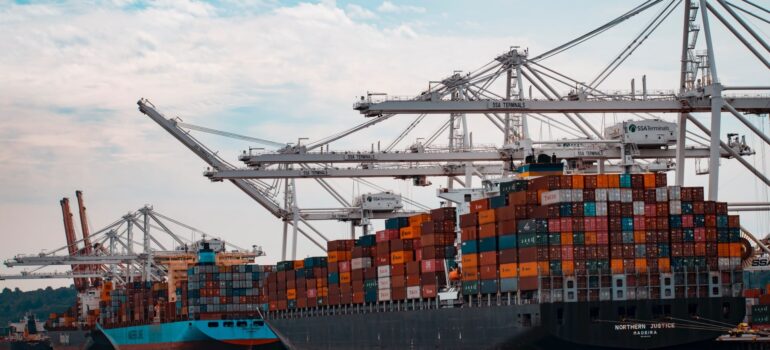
[116, 253]
[515, 89]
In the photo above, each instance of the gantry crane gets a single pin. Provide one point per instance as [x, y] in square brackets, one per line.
[114, 255]
[512, 108]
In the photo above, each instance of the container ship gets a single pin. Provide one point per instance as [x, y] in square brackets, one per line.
[209, 300]
[215, 307]
[581, 262]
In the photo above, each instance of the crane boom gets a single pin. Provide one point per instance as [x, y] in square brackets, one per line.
[69, 232]
[211, 159]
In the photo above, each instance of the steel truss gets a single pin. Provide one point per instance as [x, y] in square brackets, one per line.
[502, 92]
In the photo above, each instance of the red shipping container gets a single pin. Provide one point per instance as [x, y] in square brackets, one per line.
[589, 224]
[602, 237]
[577, 224]
[554, 225]
[434, 265]
[528, 254]
[488, 272]
[488, 258]
[479, 205]
[506, 228]
[688, 221]
[429, 291]
[487, 230]
[554, 252]
[567, 253]
[565, 224]
[386, 235]
[640, 223]
[469, 220]
[469, 233]
[602, 223]
[507, 256]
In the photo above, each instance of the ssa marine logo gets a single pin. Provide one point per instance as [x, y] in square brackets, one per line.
[759, 262]
[635, 128]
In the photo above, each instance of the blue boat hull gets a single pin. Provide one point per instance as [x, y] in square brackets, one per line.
[193, 335]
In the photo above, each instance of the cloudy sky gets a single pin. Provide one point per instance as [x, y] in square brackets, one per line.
[72, 72]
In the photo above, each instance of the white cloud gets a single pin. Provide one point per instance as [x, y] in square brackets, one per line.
[389, 7]
[359, 12]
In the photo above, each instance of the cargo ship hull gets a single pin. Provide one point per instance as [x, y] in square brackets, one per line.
[585, 325]
[194, 335]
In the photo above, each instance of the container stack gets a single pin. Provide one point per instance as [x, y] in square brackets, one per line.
[339, 256]
[406, 260]
[575, 234]
[217, 292]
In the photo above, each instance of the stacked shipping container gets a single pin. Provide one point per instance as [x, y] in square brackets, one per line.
[407, 260]
[575, 235]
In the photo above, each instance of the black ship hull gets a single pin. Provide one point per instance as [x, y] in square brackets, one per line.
[25, 345]
[634, 324]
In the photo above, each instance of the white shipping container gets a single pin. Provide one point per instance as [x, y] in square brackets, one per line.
[383, 271]
[383, 283]
[383, 295]
[639, 208]
[675, 193]
[601, 208]
[577, 196]
[361, 263]
[613, 195]
[626, 195]
[675, 207]
[556, 196]
[724, 263]
[601, 194]
[661, 194]
[413, 292]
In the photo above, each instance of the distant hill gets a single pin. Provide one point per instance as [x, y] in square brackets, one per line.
[42, 302]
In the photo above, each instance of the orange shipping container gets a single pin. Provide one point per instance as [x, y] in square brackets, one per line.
[567, 267]
[566, 238]
[406, 233]
[640, 265]
[528, 269]
[291, 294]
[470, 260]
[616, 265]
[544, 268]
[639, 237]
[723, 249]
[344, 277]
[601, 181]
[649, 180]
[508, 270]
[416, 220]
[487, 230]
[486, 216]
[664, 264]
[577, 181]
[299, 264]
[613, 180]
[401, 257]
[735, 250]
[470, 275]
[590, 238]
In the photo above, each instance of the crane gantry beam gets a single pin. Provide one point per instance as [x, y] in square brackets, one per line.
[398, 172]
[756, 105]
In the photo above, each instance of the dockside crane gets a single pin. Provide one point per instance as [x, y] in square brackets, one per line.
[81, 283]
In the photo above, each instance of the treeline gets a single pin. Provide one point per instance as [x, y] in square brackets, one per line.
[14, 304]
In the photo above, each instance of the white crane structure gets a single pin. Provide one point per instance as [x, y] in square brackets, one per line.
[512, 90]
[129, 249]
